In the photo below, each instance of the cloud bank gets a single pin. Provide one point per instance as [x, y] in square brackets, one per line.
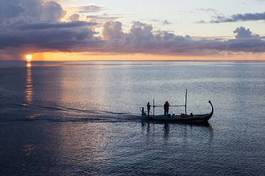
[142, 39]
[239, 17]
[36, 26]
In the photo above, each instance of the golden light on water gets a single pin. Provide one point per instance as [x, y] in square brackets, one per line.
[28, 64]
[29, 89]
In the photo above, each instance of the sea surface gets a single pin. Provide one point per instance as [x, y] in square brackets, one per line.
[83, 118]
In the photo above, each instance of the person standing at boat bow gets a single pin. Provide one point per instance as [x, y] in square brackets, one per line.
[148, 108]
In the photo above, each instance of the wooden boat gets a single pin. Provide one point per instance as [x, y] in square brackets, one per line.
[183, 118]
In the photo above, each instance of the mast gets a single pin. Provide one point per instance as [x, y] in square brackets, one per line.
[186, 99]
[153, 107]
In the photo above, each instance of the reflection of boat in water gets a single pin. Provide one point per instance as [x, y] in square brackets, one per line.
[182, 118]
[184, 129]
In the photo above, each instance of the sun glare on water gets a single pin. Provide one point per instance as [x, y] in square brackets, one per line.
[28, 59]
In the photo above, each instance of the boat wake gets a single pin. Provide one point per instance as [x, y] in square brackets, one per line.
[10, 112]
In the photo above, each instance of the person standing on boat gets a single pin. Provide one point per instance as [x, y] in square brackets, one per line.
[148, 108]
[166, 107]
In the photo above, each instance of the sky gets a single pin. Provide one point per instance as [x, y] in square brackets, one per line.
[132, 30]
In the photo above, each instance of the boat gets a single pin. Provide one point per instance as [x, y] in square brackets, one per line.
[182, 118]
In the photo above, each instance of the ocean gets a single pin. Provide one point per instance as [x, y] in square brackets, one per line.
[83, 118]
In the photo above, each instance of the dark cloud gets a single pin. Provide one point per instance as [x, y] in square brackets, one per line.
[239, 17]
[5, 11]
[53, 11]
[45, 26]
[29, 11]
[50, 37]
[38, 27]
[244, 33]
[142, 39]
[246, 41]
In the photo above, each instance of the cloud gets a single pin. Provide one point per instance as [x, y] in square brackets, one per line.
[112, 31]
[60, 36]
[244, 33]
[246, 41]
[37, 26]
[45, 26]
[161, 22]
[211, 10]
[29, 11]
[5, 11]
[74, 17]
[101, 18]
[166, 22]
[239, 17]
[142, 39]
[52, 11]
[89, 9]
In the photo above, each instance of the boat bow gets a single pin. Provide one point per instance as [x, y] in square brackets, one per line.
[211, 107]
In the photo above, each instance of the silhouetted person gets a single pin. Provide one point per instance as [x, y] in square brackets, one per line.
[166, 108]
[142, 109]
[148, 108]
[165, 111]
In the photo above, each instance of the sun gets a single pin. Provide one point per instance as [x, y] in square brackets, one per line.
[28, 57]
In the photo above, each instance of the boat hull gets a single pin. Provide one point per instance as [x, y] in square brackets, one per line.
[183, 118]
[180, 118]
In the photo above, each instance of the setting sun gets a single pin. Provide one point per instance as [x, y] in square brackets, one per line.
[28, 57]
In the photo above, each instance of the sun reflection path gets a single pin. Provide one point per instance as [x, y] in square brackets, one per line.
[28, 90]
[28, 64]
[28, 59]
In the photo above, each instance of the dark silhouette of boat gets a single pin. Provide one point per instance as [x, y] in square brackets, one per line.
[182, 118]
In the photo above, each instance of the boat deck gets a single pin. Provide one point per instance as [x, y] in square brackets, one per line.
[189, 118]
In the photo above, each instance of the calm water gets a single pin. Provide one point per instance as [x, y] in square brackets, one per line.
[71, 119]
